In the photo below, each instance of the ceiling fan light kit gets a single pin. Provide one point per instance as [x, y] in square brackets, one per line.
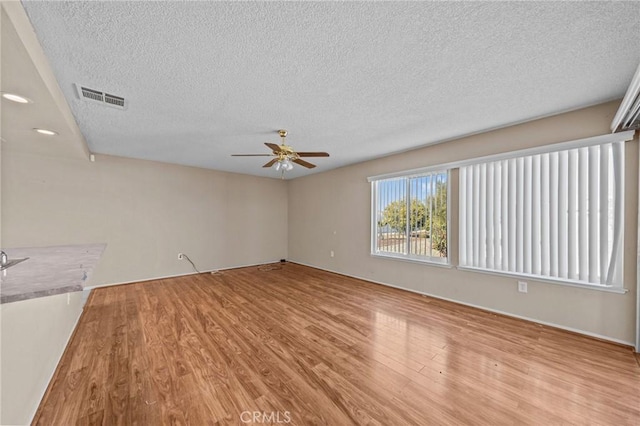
[285, 156]
[283, 165]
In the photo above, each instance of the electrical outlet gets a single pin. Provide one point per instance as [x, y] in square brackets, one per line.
[180, 256]
[332, 253]
[522, 286]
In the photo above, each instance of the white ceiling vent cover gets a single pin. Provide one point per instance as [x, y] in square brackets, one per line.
[628, 115]
[85, 93]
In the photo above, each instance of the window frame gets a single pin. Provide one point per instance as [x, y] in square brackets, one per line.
[616, 287]
[430, 260]
[625, 136]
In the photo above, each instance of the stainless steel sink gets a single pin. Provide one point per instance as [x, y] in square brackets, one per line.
[12, 262]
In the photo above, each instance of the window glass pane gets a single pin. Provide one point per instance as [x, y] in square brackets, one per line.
[419, 242]
[429, 215]
[392, 216]
[411, 217]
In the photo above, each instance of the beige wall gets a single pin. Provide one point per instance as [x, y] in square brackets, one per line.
[34, 336]
[146, 212]
[332, 211]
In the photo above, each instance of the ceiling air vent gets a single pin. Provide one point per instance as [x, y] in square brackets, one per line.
[116, 101]
[628, 115]
[104, 98]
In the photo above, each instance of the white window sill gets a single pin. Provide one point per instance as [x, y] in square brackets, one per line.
[608, 289]
[442, 264]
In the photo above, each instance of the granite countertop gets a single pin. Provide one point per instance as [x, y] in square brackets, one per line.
[48, 271]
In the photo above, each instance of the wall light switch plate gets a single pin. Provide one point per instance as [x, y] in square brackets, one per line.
[522, 286]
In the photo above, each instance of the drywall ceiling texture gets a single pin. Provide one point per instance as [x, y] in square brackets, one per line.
[360, 80]
[342, 224]
[33, 332]
[145, 211]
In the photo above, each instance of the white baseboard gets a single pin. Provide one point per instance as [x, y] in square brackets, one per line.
[164, 277]
[483, 308]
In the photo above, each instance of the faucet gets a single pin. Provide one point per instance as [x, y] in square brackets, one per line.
[3, 258]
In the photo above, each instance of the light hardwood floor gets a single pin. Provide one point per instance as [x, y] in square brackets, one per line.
[314, 347]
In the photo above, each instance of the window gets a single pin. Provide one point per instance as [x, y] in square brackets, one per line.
[410, 217]
[556, 215]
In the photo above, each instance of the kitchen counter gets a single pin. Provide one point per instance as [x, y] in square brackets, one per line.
[48, 271]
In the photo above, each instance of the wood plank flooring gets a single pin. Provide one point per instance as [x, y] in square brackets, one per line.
[301, 346]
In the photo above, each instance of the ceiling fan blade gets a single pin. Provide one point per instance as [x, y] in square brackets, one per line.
[271, 163]
[251, 155]
[304, 163]
[312, 154]
[274, 147]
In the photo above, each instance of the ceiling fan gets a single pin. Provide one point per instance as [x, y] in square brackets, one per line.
[285, 156]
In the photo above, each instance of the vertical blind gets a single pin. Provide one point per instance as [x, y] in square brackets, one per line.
[556, 214]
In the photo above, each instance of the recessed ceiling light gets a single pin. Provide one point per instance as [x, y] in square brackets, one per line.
[15, 98]
[46, 132]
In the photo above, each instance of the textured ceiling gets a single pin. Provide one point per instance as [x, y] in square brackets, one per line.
[359, 80]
